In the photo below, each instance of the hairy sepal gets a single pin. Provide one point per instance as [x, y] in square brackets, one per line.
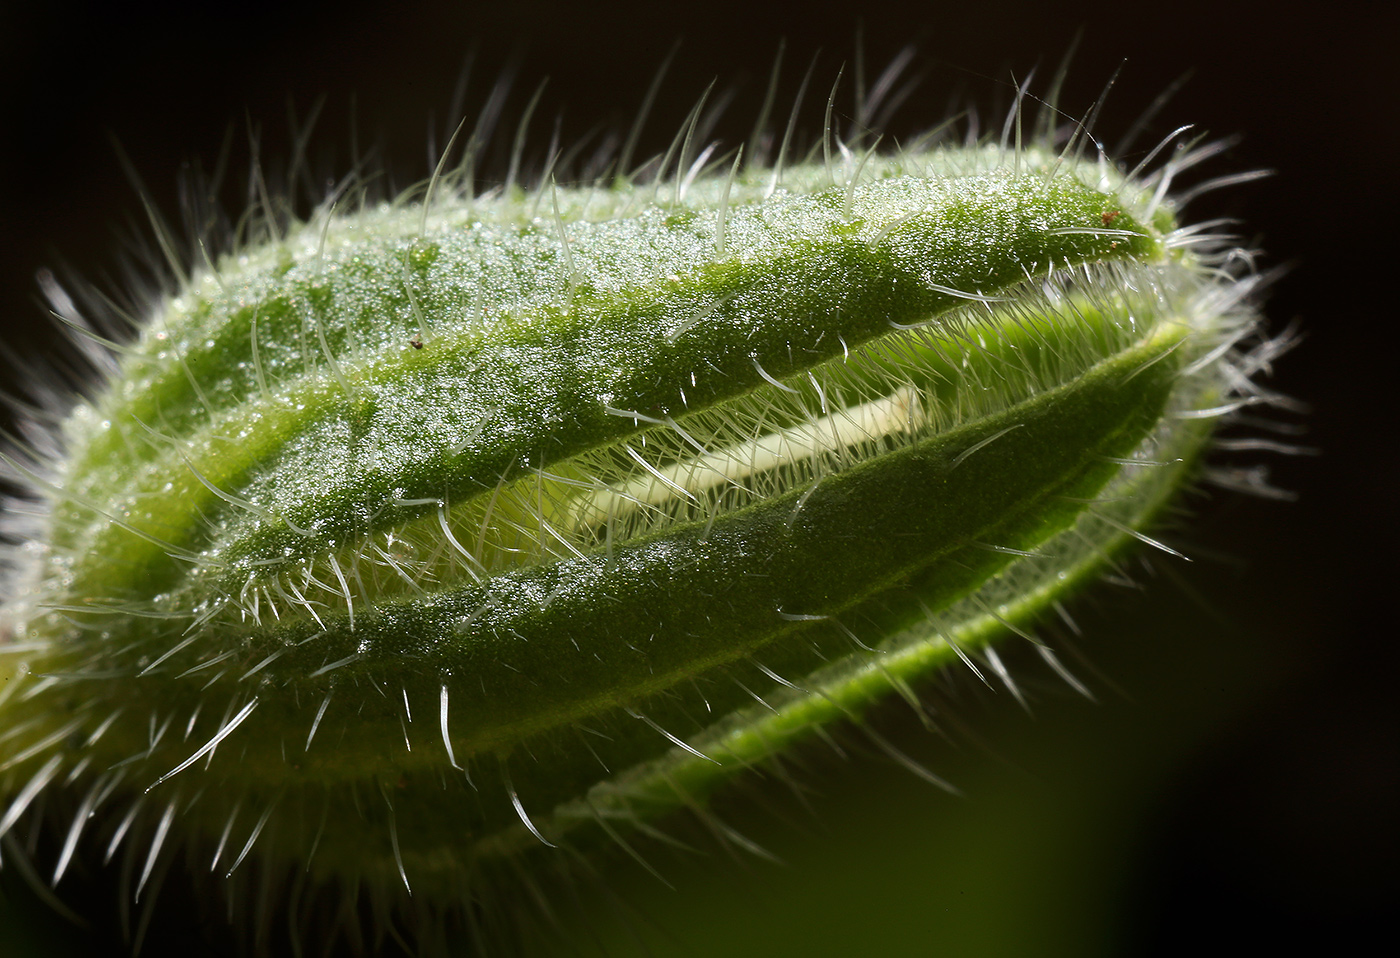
[395, 514]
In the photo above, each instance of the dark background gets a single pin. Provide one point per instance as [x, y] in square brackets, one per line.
[1235, 782]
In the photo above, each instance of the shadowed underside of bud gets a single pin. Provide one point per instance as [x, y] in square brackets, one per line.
[427, 538]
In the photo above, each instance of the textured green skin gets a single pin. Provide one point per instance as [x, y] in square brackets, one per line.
[295, 382]
[543, 372]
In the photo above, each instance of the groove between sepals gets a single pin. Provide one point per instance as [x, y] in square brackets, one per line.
[894, 517]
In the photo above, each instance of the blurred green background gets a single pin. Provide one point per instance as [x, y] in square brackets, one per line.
[1234, 784]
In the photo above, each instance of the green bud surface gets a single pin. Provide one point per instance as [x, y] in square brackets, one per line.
[431, 537]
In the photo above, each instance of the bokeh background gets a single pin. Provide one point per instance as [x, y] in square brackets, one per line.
[1232, 787]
